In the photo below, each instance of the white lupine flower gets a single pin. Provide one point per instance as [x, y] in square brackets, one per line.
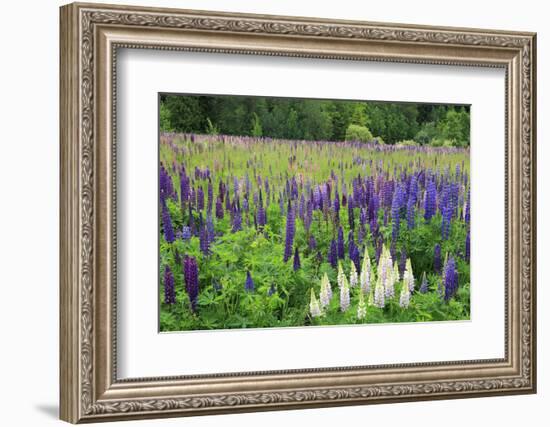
[405, 296]
[390, 276]
[371, 296]
[380, 288]
[314, 308]
[353, 278]
[326, 291]
[344, 295]
[408, 277]
[361, 307]
[366, 273]
[341, 276]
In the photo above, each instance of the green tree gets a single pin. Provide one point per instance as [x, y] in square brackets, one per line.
[456, 127]
[358, 133]
[164, 118]
[256, 125]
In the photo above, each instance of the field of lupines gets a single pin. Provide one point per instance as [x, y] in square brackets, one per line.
[260, 232]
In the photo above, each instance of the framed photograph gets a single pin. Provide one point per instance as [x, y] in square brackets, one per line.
[266, 212]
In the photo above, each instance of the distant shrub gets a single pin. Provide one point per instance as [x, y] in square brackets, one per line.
[211, 129]
[426, 133]
[407, 143]
[378, 140]
[358, 133]
[441, 142]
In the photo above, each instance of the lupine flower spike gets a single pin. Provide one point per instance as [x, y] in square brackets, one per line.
[353, 277]
[365, 277]
[341, 276]
[361, 307]
[326, 291]
[314, 308]
[344, 295]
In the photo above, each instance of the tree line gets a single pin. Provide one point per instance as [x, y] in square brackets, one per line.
[314, 119]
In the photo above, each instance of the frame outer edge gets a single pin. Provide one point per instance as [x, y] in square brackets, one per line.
[69, 354]
[533, 207]
[77, 227]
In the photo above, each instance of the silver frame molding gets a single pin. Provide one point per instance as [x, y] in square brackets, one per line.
[90, 37]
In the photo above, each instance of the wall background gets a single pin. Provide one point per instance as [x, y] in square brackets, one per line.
[29, 171]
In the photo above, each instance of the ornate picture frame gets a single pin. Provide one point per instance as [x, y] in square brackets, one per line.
[90, 37]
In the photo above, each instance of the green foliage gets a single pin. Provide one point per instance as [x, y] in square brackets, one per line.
[164, 118]
[358, 133]
[281, 295]
[313, 119]
[426, 134]
[456, 127]
[394, 122]
[256, 125]
[210, 128]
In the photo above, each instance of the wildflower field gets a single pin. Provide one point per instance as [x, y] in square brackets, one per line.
[263, 232]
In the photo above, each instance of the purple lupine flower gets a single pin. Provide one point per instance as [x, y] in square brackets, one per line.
[351, 243]
[221, 190]
[446, 220]
[165, 184]
[191, 275]
[210, 196]
[204, 241]
[219, 208]
[467, 209]
[272, 289]
[317, 197]
[333, 254]
[169, 292]
[373, 206]
[200, 199]
[355, 256]
[437, 258]
[296, 263]
[387, 194]
[467, 247]
[336, 204]
[450, 277]
[167, 224]
[249, 283]
[237, 219]
[290, 231]
[430, 201]
[410, 213]
[312, 242]
[395, 211]
[308, 219]
[184, 188]
[424, 285]
[301, 208]
[186, 232]
[351, 218]
[340, 246]
[413, 189]
[261, 217]
[373, 225]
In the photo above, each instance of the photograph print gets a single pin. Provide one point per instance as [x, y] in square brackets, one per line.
[286, 212]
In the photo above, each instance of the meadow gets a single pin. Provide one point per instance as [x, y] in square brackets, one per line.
[260, 232]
